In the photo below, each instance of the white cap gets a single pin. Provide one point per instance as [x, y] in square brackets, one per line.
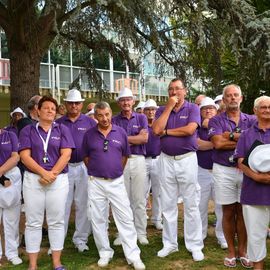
[125, 92]
[140, 105]
[150, 103]
[259, 158]
[207, 101]
[74, 95]
[18, 110]
[218, 98]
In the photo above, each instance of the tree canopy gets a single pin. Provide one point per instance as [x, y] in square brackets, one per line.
[216, 41]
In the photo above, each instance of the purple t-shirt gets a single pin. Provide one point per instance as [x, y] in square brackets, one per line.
[8, 144]
[133, 126]
[12, 129]
[153, 145]
[60, 138]
[105, 163]
[204, 157]
[175, 145]
[221, 123]
[253, 193]
[77, 130]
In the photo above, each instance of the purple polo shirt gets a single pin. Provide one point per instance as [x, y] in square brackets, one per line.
[175, 145]
[105, 164]
[204, 157]
[12, 129]
[60, 138]
[253, 193]
[77, 130]
[153, 145]
[221, 123]
[133, 126]
[8, 144]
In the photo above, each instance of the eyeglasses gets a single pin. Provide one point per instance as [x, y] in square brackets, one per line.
[176, 88]
[208, 108]
[105, 145]
[75, 103]
[264, 108]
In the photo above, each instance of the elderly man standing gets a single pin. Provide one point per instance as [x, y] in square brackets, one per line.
[177, 122]
[224, 131]
[106, 150]
[135, 125]
[78, 124]
[256, 183]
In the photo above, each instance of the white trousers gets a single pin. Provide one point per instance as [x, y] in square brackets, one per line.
[180, 174]
[134, 174]
[77, 178]
[100, 192]
[152, 180]
[257, 220]
[10, 217]
[205, 180]
[37, 199]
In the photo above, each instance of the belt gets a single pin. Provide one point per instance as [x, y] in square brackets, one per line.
[74, 164]
[154, 157]
[135, 156]
[100, 178]
[179, 157]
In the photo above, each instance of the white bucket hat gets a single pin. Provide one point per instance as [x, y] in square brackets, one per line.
[150, 103]
[218, 98]
[74, 95]
[125, 92]
[207, 101]
[18, 110]
[140, 105]
[259, 158]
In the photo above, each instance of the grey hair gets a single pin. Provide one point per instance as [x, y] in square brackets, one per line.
[260, 99]
[102, 105]
[32, 102]
[231, 85]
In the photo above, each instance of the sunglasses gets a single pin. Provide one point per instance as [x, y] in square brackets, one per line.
[105, 145]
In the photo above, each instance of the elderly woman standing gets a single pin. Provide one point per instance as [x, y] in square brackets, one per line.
[10, 194]
[255, 194]
[45, 149]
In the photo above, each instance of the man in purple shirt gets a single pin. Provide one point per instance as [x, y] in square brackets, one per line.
[224, 131]
[135, 125]
[78, 124]
[152, 180]
[105, 152]
[177, 123]
[255, 193]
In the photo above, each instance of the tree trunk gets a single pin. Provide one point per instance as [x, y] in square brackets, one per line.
[25, 74]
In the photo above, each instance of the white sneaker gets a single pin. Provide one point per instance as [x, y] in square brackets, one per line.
[197, 255]
[117, 241]
[166, 251]
[103, 261]
[16, 260]
[143, 240]
[82, 247]
[223, 245]
[138, 265]
[158, 225]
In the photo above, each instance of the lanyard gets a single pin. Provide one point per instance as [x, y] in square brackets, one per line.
[45, 143]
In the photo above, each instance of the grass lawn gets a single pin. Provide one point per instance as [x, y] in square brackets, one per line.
[179, 260]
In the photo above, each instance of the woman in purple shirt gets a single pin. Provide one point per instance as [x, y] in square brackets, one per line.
[45, 149]
[10, 194]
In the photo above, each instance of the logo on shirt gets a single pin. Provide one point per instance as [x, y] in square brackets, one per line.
[81, 128]
[116, 141]
[211, 131]
[7, 142]
[183, 117]
[55, 138]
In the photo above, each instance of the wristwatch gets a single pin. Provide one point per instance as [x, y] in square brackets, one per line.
[231, 136]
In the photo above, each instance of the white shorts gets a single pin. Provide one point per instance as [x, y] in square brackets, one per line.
[227, 184]
[257, 219]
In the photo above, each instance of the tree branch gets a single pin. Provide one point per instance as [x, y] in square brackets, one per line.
[3, 17]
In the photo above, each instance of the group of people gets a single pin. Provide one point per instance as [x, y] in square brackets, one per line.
[197, 151]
